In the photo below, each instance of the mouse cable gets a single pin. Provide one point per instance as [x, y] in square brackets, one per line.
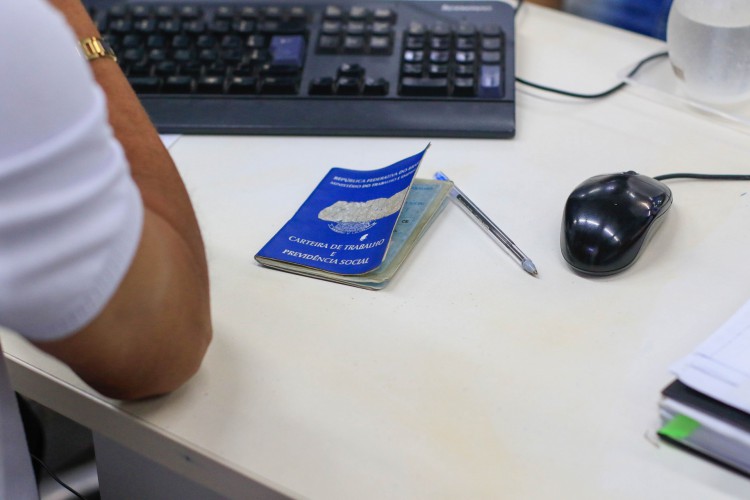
[56, 478]
[705, 177]
[598, 95]
[578, 95]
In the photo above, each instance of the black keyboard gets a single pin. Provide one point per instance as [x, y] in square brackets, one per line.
[411, 68]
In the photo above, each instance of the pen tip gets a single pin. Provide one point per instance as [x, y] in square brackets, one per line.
[529, 267]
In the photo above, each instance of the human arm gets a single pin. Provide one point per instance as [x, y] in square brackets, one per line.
[154, 331]
[548, 3]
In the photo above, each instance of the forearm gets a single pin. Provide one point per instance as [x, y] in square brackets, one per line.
[151, 166]
[548, 3]
[151, 336]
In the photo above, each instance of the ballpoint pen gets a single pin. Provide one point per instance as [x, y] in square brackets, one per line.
[485, 223]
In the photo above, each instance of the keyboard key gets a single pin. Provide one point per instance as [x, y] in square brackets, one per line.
[133, 55]
[140, 11]
[440, 56]
[416, 28]
[424, 86]
[210, 85]
[488, 57]
[441, 43]
[329, 44]
[463, 70]
[287, 51]
[156, 41]
[355, 28]
[232, 56]
[279, 85]
[380, 28]
[271, 70]
[414, 42]
[466, 43]
[490, 82]
[219, 27]
[298, 14]
[208, 55]
[381, 45]
[194, 26]
[464, 87]
[272, 12]
[491, 30]
[384, 14]
[333, 12]
[145, 26]
[165, 68]
[358, 13]
[181, 42]
[440, 30]
[352, 70]
[465, 30]
[354, 44]
[321, 86]
[243, 27]
[120, 26]
[145, 84]
[465, 57]
[215, 68]
[347, 85]
[248, 13]
[413, 56]
[438, 70]
[205, 41]
[180, 84]
[165, 11]
[491, 43]
[375, 86]
[256, 42]
[224, 12]
[411, 70]
[242, 85]
[139, 68]
[190, 11]
[331, 28]
[193, 68]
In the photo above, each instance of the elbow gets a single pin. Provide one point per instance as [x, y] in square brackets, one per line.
[163, 375]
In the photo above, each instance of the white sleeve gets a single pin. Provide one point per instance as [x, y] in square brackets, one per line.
[70, 214]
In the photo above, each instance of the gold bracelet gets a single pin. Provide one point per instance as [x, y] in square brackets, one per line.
[94, 47]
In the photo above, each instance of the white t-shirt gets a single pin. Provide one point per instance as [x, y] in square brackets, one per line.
[70, 214]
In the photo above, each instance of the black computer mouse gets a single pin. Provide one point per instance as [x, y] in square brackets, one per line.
[609, 219]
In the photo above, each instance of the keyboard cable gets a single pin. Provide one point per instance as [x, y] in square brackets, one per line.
[619, 86]
[597, 95]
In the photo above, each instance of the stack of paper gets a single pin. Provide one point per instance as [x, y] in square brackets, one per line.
[707, 409]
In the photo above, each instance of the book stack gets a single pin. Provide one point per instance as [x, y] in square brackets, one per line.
[707, 408]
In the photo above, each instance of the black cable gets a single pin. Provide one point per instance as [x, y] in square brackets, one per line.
[599, 95]
[54, 476]
[641, 63]
[707, 177]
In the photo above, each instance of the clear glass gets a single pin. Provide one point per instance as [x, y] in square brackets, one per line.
[709, 48]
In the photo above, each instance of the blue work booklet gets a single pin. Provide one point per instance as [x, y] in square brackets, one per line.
[357, 227]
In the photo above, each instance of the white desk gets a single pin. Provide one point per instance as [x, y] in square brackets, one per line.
[465, 377]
